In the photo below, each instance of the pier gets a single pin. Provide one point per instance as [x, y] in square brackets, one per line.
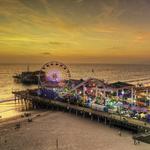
[107, 118]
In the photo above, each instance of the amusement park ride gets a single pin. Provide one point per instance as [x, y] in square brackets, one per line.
[54, 75]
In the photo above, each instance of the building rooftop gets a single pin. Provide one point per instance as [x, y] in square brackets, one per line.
[120, 85]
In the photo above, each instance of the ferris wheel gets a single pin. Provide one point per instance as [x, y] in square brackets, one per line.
[54, 75]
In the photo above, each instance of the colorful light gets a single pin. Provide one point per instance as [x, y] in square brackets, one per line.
[53, 76]
[122, 92]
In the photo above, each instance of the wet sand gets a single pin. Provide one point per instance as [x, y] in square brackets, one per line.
[66, 131]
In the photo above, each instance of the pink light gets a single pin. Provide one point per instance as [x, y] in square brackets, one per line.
[53, 76]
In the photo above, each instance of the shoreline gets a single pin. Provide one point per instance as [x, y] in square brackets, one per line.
[72, 133]
[22, 117]
[13, 108]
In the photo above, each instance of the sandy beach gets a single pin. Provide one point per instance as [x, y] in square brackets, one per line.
[66, 131]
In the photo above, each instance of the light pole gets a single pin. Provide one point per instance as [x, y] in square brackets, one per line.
[57, 143]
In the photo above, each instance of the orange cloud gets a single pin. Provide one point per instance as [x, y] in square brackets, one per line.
[142, 37]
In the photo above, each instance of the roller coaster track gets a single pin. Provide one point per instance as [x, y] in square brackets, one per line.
[77, 86]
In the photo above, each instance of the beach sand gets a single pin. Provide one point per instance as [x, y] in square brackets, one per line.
[66, 131]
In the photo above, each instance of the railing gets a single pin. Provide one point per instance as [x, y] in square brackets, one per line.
[7, 100]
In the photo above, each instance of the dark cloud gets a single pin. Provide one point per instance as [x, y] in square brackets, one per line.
[56, 43]
[37, 5]
[46, 53]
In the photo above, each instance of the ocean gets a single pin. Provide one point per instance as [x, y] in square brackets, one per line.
[107, 72]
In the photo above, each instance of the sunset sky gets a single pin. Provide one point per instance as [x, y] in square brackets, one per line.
[82, 31]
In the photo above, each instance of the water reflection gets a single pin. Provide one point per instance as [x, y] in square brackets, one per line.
[12, 109]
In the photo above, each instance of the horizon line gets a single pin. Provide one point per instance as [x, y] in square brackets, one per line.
[76, 63]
